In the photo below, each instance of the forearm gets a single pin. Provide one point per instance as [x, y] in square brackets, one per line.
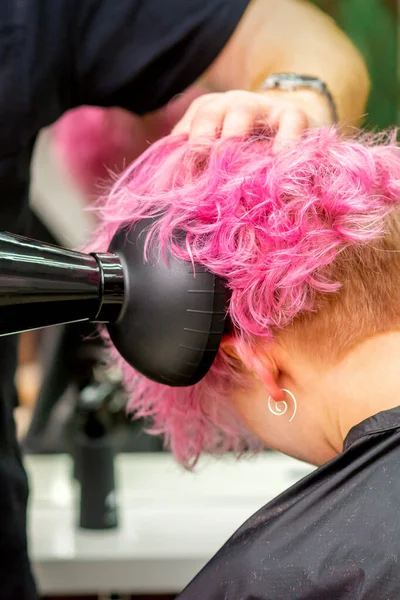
[293, 36]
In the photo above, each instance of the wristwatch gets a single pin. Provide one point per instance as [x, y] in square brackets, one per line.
[292, 81]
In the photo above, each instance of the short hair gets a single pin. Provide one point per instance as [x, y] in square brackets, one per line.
[307, 239]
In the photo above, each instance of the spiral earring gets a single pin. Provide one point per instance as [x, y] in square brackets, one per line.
[280, 408]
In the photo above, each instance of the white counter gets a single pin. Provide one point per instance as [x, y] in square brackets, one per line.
[171, 521]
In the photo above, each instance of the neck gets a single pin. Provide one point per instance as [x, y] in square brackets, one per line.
[369, 381]
[334, 399]
[366, 382]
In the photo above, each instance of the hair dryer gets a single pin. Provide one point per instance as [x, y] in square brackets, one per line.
[165, 318]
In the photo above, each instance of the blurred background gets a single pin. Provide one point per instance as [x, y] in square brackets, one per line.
[373, 25]
[71, 406]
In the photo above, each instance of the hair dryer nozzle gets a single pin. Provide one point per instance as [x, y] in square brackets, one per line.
[42, 285]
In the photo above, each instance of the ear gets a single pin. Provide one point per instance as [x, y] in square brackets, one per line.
[258, 361]
[229, 345]
[266, 369]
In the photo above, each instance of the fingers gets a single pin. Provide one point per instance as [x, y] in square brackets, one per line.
[207, 121]
[239, 114]
[184, 125]
[291, 122]
[220, 115]
[239, 121]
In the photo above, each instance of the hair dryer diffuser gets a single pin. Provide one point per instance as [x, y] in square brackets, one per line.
[173, 316]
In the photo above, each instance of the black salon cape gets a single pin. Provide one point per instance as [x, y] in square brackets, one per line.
[335, 535]
[56, 55]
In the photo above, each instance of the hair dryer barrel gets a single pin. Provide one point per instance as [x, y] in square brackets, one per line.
[42, 285]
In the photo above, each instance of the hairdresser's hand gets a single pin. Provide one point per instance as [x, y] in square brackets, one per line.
[241, 113]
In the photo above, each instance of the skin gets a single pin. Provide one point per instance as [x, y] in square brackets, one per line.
[331, 398]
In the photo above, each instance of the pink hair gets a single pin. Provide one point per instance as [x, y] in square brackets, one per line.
[268, 223]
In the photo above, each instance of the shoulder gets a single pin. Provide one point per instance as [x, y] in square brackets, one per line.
[336, 532]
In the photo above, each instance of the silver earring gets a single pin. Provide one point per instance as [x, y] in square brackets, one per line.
[280, 408]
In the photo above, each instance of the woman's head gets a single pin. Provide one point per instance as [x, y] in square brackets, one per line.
[307, 241]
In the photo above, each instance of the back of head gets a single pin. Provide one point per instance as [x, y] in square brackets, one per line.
[308, 240]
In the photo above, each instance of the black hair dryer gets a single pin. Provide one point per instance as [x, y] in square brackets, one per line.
[164, 317]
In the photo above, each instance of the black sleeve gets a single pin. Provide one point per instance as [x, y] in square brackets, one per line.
[139, 53]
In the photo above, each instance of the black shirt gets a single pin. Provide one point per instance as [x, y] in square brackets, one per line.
[55, 55]
[335, 535]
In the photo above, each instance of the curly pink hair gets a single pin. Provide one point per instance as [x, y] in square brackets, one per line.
[272, 225]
